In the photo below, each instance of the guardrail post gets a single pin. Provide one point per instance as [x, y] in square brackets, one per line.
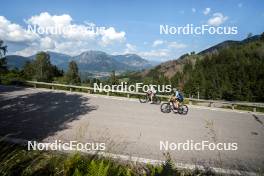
[190, 102]
[233, 107]
[108, 93]
[35, 85]
[254, 109]
[52, 87]
[128, 95]
[70, 89]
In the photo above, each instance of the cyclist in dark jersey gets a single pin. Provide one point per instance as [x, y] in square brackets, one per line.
[177, 98]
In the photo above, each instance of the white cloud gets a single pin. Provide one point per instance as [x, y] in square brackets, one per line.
[176, 45]
[110, 35]
[12, 32]
[44, 19]
[77, 37]
[155, 53]
[168, 50]
[217, 19]
[206, 11]
[25, 52]
[106, 35]
[47, 43]
[157, 43]
[167, 44]
[74, 42]
[130, 48]
[193, 10]
[75, 47]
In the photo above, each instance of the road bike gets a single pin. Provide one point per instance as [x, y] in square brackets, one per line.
[169, 106]
[146, 98]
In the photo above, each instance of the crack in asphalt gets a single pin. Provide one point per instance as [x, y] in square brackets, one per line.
[257, 119]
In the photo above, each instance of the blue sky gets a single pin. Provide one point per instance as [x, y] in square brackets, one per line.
[130, 26]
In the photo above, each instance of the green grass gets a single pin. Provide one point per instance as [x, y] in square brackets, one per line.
[16, 160]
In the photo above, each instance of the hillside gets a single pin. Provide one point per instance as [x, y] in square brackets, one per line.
[169, 68]
[227, 44]
[231, 70]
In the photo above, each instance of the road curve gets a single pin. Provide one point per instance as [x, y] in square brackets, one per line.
[131, 128]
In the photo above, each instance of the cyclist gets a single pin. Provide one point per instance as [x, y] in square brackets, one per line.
[151, 93]
[177, 98]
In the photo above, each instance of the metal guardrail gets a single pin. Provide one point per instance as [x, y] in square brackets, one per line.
[89, 89]
[251, 104]
[233, 104]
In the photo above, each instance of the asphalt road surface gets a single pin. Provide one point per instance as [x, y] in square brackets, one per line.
[130, 128]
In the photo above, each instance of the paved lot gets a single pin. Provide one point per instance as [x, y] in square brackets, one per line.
[130, 128]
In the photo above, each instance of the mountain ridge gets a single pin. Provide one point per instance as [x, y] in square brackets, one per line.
[170, 67]
[91, 60]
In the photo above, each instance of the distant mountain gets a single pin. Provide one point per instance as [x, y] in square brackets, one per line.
[132, 60]
[98, 61]
[101, 61]
[58, 59]
[16, 61]
[89, 61]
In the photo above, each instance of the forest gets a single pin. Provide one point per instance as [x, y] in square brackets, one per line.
[232, 73]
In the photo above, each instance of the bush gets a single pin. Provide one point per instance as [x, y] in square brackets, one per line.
[11, 78]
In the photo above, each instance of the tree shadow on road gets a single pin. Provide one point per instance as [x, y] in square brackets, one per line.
[39, 115]
[9, 89]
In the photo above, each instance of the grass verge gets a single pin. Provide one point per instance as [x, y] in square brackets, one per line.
[17, 160]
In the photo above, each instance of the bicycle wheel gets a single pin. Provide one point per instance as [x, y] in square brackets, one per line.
[183, 109]
[165, 108]
[156, 100]
[143, 99]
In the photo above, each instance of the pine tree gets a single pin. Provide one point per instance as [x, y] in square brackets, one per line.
[43, 67]
[3, 50]
[72, 75]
